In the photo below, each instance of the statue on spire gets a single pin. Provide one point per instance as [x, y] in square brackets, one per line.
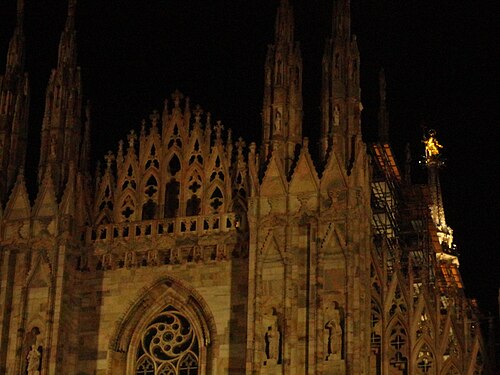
[432, 146]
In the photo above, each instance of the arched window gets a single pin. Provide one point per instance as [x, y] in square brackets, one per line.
[149, 210]
[398, 350]
[193, 206]
[172, 199]
[168, 346]
[425, 361]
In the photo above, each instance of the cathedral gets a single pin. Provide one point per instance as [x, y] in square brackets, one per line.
[191, 251]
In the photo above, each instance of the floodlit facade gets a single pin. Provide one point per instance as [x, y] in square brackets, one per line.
[191, 252]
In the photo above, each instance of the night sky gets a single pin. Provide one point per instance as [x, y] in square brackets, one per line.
[440, 58]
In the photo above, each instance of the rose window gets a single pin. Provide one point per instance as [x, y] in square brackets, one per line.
[169, 346]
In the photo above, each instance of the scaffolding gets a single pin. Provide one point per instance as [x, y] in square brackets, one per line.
[400, 218]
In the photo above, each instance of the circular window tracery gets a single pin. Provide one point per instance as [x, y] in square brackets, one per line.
[168, 346]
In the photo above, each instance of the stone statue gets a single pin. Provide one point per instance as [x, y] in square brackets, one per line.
[277, 122]
[53, 147]
[336, 116]
[272, 339]
[432, 146]
[334, 335]
[34, 360]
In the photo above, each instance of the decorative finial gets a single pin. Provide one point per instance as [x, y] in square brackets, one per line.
[305, 143]
[197, 113]
[109, 157]
[131, 138]
[253, 148]
[177, 96]
[240, 145]
[218, 129]
[154, 117]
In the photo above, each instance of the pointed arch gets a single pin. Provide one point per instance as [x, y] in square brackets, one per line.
[41, 259]
[270, 244]
[127, 206]
[215, 198]
[103, 218]
[152, 155]
[424, 358]
[423, 323]
[398, 346]
[175, 132]
[194, 191]
[396, 301]
[105, 199]
[167, 297]
[304, 177]
[174, 164]
[240, 185]
[150, 191]
[195, 155]
[450, 368]
[172, 191]
[450, 346]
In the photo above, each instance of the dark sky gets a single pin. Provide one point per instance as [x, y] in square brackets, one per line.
[440, 57]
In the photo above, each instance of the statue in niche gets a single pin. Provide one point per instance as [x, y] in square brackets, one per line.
[153, 258]
[83, 263]
[268, 77]
[335, 331]
[107, 261]
[197, 253]
[336, 116]
[53, 145]
[32, 352]
[130, 259]
[277, 122]
[272, 339]
[34, 360]
[175, 256]
[221, 251]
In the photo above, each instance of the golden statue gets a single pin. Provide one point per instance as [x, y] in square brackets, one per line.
[432, 146]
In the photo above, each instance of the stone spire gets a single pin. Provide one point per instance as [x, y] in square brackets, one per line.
[282, 107]
[14, 103]
[15, 56]
[61, 128]
[67, 43]
[85, 146]
[340, 99]
[383, 116]
[434, 162]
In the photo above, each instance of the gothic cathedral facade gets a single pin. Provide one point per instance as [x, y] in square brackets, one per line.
[190, 253]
